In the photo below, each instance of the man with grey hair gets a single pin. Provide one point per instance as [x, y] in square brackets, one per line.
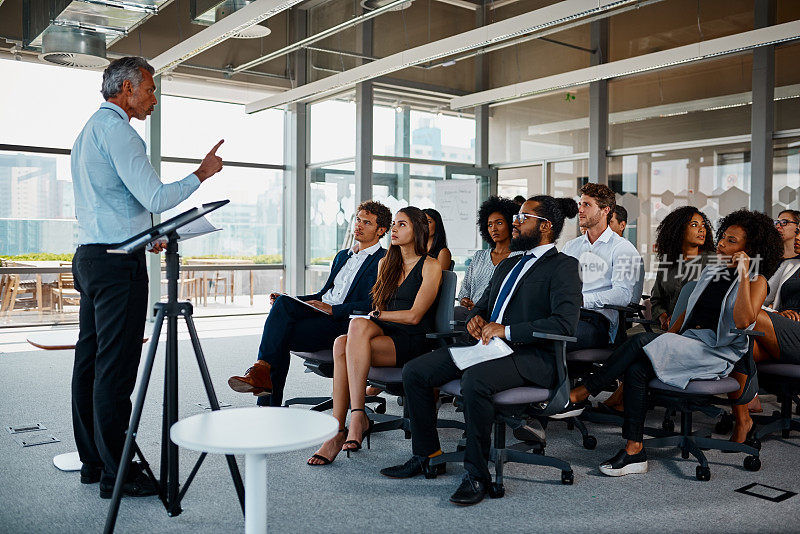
[116, 190]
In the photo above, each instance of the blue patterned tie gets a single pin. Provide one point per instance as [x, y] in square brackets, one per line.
[506, 289]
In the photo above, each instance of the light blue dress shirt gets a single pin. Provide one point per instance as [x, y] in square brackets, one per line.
[610, 271]
[116, 187]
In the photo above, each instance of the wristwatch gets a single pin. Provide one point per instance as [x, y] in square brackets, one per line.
[376, 313]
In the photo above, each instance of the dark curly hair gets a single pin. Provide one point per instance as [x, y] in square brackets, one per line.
[763, 240]
[669, 234]
[555, 210]
[505, 206]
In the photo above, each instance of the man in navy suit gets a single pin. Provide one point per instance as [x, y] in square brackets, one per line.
[292, 325]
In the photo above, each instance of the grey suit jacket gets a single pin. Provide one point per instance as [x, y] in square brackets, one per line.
[700, 354]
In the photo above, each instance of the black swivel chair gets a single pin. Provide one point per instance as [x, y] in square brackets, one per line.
[390, 379]
[782, 379]
[512, 407]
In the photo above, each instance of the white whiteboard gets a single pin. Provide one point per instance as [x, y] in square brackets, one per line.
[457, 201]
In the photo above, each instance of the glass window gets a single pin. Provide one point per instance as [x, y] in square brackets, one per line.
[550, 126]
[252, 224]
[786, 175]
[37, 206]
[682, 103]
[564, 179]
[787, 87]
[192, 127]
[333, 129]
[525, 181]
[34, 97]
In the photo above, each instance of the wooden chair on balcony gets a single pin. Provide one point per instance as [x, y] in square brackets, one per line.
[64, 290]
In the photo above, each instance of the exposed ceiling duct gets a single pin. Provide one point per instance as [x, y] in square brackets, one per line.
[225, 8]
[77, 33]
[74, 47]
[377, 4]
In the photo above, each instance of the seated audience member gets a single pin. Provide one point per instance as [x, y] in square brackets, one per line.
[494, 222]
[618, 220]
[291, 325]
[781, 327]
[402, 314]
[610, 268]
[787, 223]
[684, 244]
[519, 200]
[539, 290]
[437, 238]
[699, 345]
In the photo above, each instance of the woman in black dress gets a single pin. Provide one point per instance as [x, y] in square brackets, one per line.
[437, 238]
[403, 300]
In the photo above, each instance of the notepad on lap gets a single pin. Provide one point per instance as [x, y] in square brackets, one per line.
[465, 357]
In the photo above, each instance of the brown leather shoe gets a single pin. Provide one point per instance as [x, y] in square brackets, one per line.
[256, 380]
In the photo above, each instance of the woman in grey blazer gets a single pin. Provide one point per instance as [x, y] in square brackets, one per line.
[699, 345]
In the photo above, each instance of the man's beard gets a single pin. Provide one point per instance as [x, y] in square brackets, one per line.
[590, 222]
[527, 242]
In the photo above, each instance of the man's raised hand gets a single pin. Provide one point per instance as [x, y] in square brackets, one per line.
[211, 164]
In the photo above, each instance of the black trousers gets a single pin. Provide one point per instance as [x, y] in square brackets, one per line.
[592, 331]
[478, 384]
[113, 310]
[293, 326]
[631, 362]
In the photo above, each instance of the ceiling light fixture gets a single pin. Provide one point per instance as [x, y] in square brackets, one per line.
[253, 13]
[712, 48]
[530, 22]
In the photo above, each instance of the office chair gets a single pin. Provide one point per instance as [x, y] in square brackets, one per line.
[782, 379]
[512, 406]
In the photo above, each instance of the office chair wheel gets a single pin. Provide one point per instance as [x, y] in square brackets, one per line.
[752, 463]
[380, 408]
[703, 473]
[753, 442]
[668, 425]
[399, 401]
[567, 477]
[724, 425]
[589, 442]
[496, 491]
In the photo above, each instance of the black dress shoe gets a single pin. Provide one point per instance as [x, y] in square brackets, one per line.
[625, 464]
[471, 491]
[573, 409]
[531, 431]
[90, 474]
[414, 466]
[138, 484]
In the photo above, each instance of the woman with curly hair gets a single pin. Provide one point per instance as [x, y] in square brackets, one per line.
[684, 243]
[494, 224]
[699, 344]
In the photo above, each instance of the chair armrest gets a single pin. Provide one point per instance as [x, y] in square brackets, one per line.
[753, 333]
[442, 335]
[458, 323]
[623, 309]
[554, 337]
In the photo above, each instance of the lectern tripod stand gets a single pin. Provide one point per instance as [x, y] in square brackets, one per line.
[170, 492]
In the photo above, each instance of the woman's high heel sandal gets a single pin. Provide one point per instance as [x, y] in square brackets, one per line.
[323, 459]
[364, 434]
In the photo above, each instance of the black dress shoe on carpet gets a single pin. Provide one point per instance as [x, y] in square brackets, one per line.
[414, 466]
[573, 409]
[471, 491]
[625, 464]
[138, 484]
[90, 474]
[531, 431]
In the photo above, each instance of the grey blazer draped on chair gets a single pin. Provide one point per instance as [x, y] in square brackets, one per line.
[700, 354]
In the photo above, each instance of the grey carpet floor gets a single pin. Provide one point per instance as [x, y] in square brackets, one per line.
[350, 495]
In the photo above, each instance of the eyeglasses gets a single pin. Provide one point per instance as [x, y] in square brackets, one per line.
[783, 222]
[519, 218]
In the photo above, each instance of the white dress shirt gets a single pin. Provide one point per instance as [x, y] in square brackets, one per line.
[536, 252]
[610, 270]
[346, 275]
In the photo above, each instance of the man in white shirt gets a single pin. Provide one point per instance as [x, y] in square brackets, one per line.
[610, 268]
[292, 325]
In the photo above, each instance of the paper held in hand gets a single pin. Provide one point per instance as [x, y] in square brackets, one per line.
[465, 357]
